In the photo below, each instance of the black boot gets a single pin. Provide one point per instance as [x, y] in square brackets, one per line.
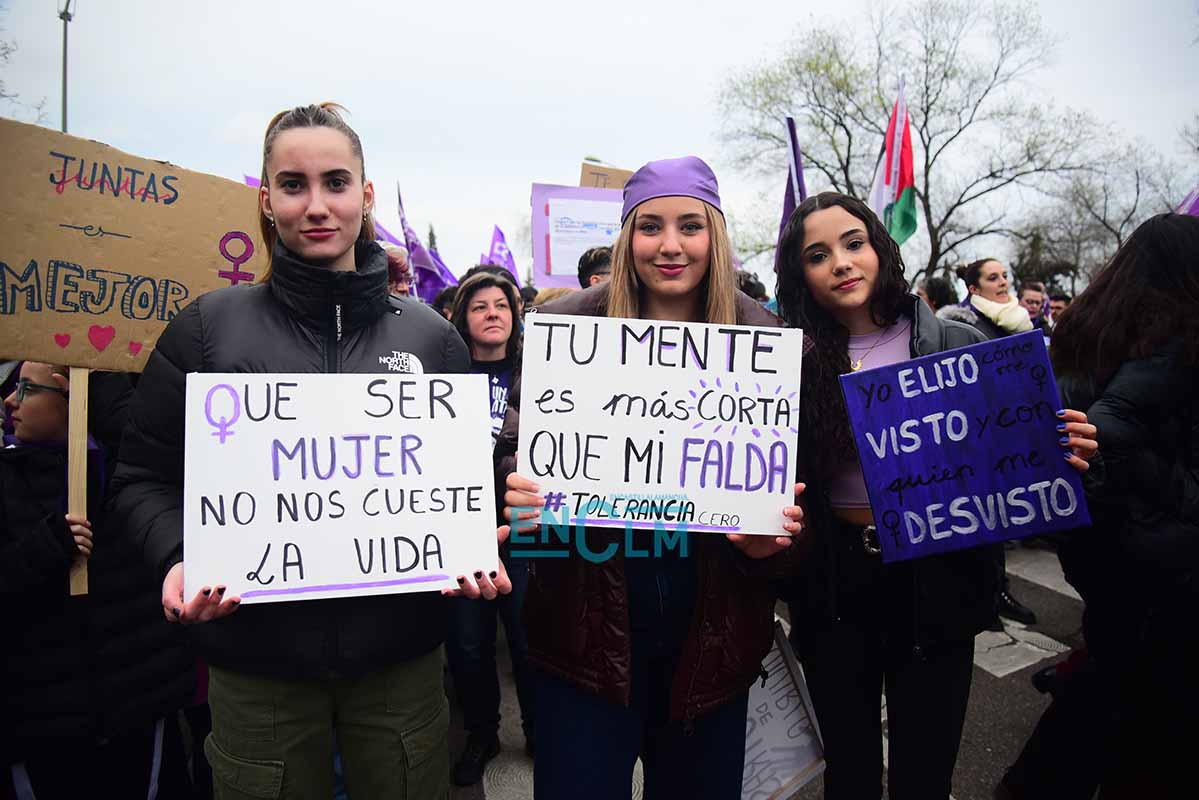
[1012, 608]
[469, 769]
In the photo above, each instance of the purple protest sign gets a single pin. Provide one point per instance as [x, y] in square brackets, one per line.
[959, 449]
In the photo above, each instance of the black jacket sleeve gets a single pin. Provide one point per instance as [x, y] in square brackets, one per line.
[1137, 410]
[31, 557]
[147, 488]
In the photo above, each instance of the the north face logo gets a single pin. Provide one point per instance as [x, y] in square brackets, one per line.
[403, 362]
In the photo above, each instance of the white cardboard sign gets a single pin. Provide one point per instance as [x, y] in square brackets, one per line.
[311, 486]
[783, 749]
[683, 426]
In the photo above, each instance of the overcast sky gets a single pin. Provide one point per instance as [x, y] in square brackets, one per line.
[467, 104]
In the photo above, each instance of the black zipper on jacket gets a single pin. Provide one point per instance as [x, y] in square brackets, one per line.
[332, 342]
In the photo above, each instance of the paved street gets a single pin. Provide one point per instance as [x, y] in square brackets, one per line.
[1004, 707]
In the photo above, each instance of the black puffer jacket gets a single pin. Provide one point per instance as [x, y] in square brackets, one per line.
[302, 319]
[89, 666]
[933, 599]
[1144, 539]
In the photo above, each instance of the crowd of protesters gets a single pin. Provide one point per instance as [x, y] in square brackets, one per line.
[136, 690]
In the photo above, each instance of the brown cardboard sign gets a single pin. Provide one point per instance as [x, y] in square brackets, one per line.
[99, 249]
[603, 177]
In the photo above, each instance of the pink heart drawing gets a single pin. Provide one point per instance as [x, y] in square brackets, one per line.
[101, 335]
[62, 339]
[135, 348]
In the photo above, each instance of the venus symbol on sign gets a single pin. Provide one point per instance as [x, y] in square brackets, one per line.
[224, 424]
[235, 275]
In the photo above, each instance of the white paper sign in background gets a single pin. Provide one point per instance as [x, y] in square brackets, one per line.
[641, 422]
[575, 226]
[783, 749]
[314, 486]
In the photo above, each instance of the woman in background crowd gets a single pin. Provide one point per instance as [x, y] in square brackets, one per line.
[285, 677]
[399, 273]
[860, 624]
[1128, 351]
[651, 657]
[997, 314]
[483, 314]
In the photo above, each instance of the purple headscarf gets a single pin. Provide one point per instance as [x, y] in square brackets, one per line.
[671, 177]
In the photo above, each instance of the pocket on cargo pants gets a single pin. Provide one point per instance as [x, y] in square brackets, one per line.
[393, 730]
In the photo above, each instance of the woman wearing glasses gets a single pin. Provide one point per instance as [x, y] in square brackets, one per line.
[91, 676]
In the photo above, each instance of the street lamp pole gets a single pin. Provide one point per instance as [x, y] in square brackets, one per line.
[65, 15]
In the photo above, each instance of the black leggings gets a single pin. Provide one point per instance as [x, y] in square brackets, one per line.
[847, 664]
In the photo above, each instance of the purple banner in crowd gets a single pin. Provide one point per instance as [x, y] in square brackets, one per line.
[796, 191]
[1190, 205]
[429, 273]
[500, 255]
[960, 449]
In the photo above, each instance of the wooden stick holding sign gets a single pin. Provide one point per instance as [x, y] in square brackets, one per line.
[99, 250]
[77, 466]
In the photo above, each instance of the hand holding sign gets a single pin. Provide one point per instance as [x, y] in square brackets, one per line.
[208, 604]
[1079, 436]
[488, 586]
[958, 449]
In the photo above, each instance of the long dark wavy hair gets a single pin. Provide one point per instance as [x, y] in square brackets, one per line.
[826, 441]
[1147, 295]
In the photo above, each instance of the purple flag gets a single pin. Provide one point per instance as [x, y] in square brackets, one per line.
[796, 192]
[1190, 205]
[428, 272]
[500, 255]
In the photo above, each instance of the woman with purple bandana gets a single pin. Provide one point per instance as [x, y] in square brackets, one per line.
[651, 658]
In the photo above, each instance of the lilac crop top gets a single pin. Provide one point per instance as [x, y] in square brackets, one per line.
[887, 346]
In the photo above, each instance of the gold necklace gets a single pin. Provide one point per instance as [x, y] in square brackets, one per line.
[854, 366]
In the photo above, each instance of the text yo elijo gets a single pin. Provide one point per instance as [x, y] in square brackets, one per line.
[960, 448]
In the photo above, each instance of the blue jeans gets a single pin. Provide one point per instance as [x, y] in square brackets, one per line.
[586, 746]
[470, 649]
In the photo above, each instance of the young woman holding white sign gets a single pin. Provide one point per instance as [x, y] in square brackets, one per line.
[858, 623]
[284, 677]
[652, 657]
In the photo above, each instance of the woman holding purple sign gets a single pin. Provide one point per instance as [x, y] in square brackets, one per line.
[652, 658]
[857, 622]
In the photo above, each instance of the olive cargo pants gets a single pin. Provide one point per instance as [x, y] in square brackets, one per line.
[273, 739]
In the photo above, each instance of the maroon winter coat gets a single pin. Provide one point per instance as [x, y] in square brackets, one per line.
[577, 612]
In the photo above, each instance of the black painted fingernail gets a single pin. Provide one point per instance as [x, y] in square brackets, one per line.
[1062, 427]
[491, 574]
[235, 602]
[220, 590]
[478, 574]
[1067, 456]
[461, 579]
[176, 612]
[205, 592]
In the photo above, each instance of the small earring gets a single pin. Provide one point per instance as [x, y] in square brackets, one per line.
[270, 221]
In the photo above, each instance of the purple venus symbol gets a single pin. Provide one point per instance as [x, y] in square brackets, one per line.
[224, 424]
[235, 275]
